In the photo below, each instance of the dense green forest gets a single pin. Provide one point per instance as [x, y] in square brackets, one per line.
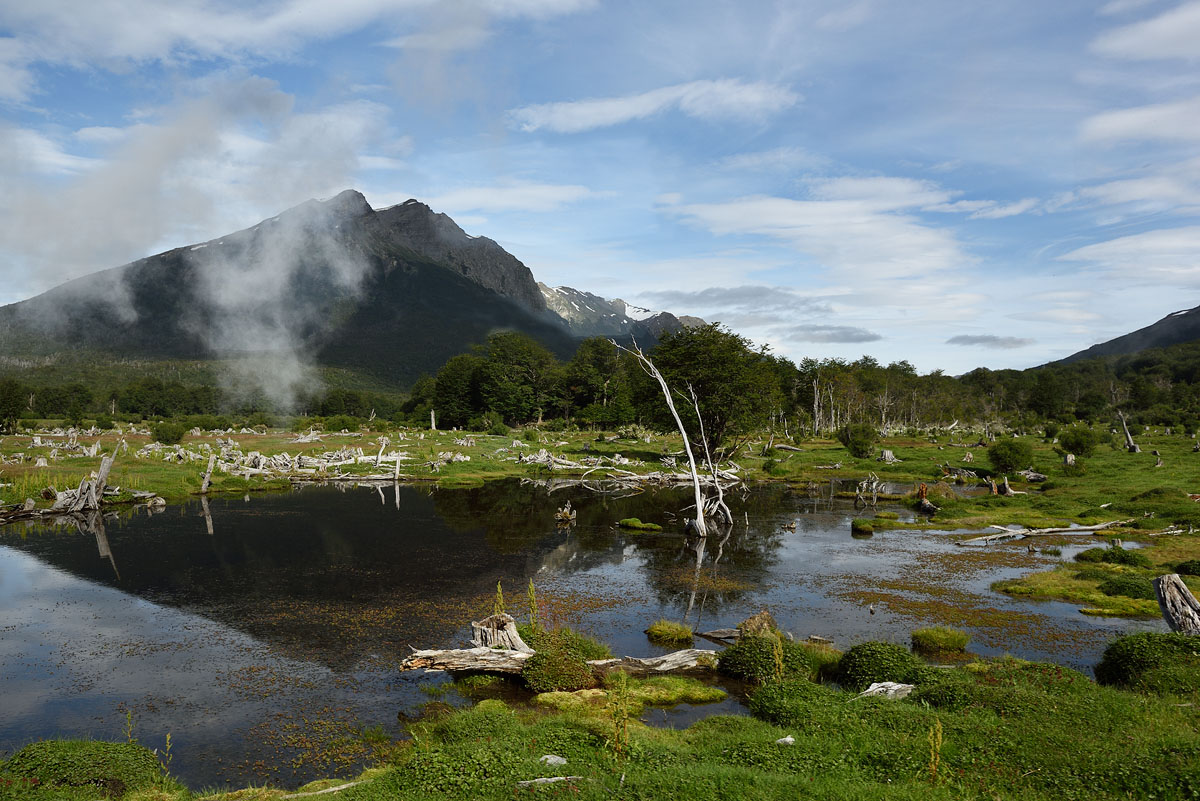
[512, 379]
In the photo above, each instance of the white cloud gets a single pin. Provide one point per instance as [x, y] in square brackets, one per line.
[26, 151]
[1122, 6]
[511, 197]
[1168, 256]
[1172, 34]
[115, 33]
[829, 334]
[862, 224]
[780, 158]
[1178, 120]
[707, 100]
[1010, 210]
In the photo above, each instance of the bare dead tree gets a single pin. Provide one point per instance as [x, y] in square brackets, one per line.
[652, 371]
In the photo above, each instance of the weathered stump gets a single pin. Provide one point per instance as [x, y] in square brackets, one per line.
[1179, 607]
[498, 631]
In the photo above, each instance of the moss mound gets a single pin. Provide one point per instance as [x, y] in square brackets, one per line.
[1113, 556]
[558, 665]
[1128, 586]
[1188, 568]
[861, 526]
[760, 657]
[1154, 662]
[112, 768]
[869, 662]
[790, 702]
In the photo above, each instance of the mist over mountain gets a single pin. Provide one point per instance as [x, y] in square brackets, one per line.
[392, 293]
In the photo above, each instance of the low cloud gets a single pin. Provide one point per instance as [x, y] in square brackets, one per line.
[741, 298]
[706, 100]
[1168, 256]
[989, 341]
[829, 334]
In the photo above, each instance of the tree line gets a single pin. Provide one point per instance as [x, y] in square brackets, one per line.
[512, 380]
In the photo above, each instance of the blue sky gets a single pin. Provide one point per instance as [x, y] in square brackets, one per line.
[956, 184]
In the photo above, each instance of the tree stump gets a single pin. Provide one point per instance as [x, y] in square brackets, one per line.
[498, 631]
[1179, 607]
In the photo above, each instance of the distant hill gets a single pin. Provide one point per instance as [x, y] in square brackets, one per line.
[1174, 329]
[391, 293]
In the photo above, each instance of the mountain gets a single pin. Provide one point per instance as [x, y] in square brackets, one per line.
[588, 315]
[1175, 328]
[390, 293]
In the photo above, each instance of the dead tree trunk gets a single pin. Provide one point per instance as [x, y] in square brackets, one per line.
[1130, 445]
[653, 372]
[212, 461]
[1179, 607]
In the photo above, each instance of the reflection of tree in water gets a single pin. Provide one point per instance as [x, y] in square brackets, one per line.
[699, 575]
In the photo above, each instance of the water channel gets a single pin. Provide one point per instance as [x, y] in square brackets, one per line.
[268, 648]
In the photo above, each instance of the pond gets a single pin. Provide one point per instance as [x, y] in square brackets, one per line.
[269, 648]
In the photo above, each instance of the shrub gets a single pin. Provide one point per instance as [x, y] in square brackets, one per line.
[1078, 440]
[1188, 568]
[939, 639]
[342, 422]
[1113, 556]
[104, 422]
[1152, 661]
[861, 526]
[667, 633]
[114, 768]
[558, 665]
[859, 439]
[870, 662]
[538, 638]
[1010, 455]
[1129, 586]
[168, 433]
[1052, 430]
[757, 658]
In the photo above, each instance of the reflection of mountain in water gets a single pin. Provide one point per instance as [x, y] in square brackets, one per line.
[334, 575]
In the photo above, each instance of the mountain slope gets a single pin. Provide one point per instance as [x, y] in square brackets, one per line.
[1175, 328]
[588, 315]
[391, 293]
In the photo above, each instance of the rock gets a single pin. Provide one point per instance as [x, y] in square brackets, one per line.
[552, 759]
[789, 740]
[887, 689]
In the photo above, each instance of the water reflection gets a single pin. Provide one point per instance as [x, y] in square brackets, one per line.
[231, 622]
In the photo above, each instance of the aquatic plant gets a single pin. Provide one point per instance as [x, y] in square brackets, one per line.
[667, 632]
[939, 639]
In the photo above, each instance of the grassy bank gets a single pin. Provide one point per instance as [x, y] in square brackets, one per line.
[1002, 729]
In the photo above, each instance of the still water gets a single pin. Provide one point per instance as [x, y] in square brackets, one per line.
[268, 648]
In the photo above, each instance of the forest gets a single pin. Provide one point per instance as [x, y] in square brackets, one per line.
[513, 380]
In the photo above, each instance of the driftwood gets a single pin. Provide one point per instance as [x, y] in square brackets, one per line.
[1031, 475]
[1179, 607]
[1017, 534]
[788, 448]
[494, 660]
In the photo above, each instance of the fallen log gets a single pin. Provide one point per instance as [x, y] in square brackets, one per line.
[494, 660]
[1179, 607]
[1016, 534]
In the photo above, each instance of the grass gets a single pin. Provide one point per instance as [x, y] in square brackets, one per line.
[638, 525]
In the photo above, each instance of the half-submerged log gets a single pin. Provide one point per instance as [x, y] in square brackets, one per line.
[1017, 534]
[1179, 607]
